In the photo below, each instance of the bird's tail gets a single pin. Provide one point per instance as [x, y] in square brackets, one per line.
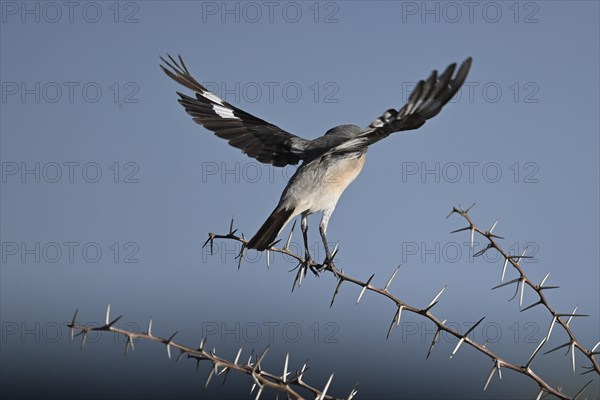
[270, 229]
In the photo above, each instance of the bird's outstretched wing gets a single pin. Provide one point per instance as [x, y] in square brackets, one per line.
[426, 101]
[255, 137]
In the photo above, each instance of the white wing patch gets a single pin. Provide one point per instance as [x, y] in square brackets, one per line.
[212, 97]
[224, 112]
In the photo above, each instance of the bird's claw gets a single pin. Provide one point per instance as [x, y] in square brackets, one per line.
[328, 263]
[308, 263]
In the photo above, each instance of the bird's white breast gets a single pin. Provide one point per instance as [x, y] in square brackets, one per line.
[318, 185]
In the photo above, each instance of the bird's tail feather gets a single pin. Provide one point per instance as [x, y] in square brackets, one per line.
[270, 229]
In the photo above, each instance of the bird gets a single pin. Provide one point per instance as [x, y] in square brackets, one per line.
[329, 163]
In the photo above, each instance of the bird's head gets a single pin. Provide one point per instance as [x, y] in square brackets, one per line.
[348, 131]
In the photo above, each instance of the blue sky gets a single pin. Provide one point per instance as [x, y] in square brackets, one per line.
[109, 189]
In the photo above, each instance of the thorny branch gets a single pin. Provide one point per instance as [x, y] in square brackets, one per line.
[288, 382]
[522, 281]
[400, 306]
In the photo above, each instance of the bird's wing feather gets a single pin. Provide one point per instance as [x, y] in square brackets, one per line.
[257, 138]
[426, 101]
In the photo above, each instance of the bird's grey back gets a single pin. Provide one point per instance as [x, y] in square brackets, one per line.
[332, 138]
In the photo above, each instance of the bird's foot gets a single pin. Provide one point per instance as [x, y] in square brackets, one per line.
[328, 263]
[310, 264]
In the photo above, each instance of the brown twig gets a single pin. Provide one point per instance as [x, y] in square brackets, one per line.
[288, 382]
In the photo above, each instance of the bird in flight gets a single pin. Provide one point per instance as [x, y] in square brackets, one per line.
[329, 163]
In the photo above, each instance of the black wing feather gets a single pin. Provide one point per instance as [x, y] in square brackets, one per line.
[425, 102]
[257, 138]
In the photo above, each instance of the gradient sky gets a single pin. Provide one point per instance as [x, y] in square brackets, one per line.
[109, 189]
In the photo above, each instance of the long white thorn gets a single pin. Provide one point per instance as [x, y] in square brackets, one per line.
[285, 368]
[260, 389]
[522, 254]
[399, 315]
[237, 357]
[460, 342]
[472, 236]
[571, 317]
[544, 280]
[210, 374]
[540, 394]
[324, 392]
[352, 394]
[107, 319]
[493, 226]
[535, 352]
[499, 371]
[437, 296]
[573, 355]
[389, 282]
[83, 339]
[504, 269]
[550, 329]
[490, 376]
[522, 282]
[302, 371]
[364, 288]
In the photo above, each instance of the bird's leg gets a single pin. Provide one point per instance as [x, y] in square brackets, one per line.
[308, 262]
[324, 238]
[304, 226]
[323, 231]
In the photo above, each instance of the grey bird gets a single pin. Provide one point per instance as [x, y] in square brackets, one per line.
[329, 163]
